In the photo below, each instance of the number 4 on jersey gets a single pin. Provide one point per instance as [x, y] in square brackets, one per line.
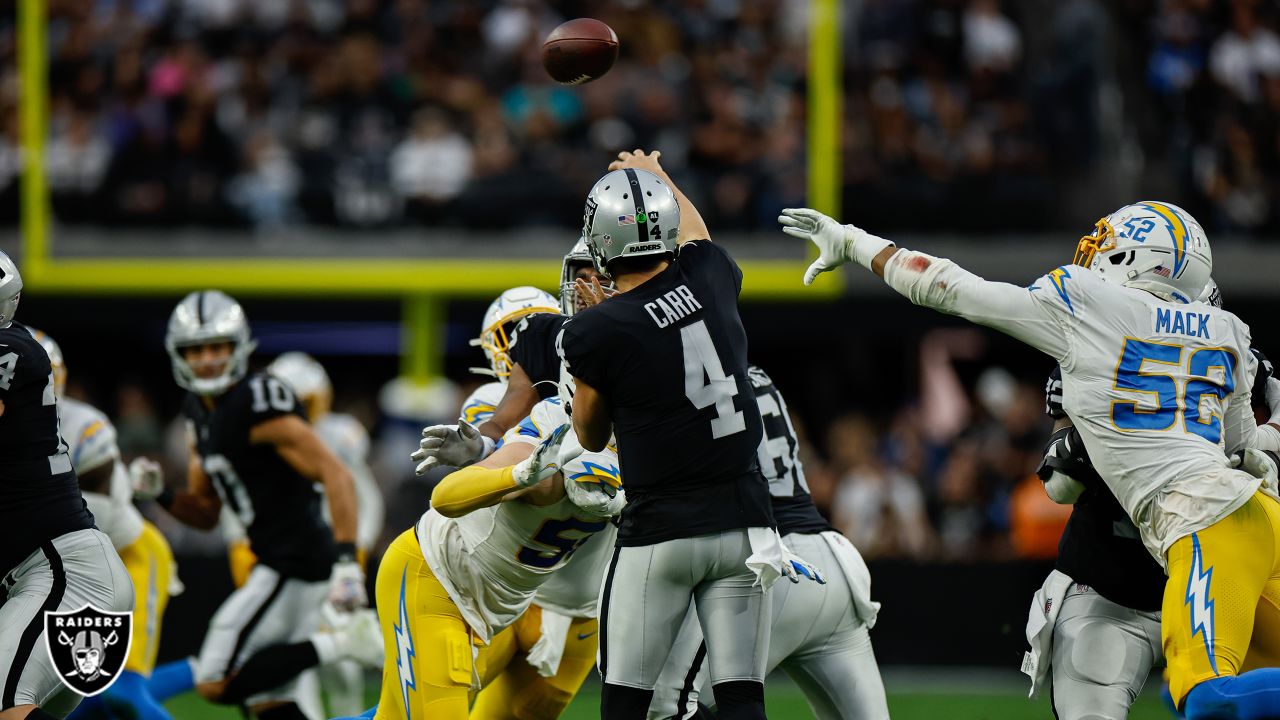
[705, 383]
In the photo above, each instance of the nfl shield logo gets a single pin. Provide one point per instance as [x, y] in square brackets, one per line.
[88, 646]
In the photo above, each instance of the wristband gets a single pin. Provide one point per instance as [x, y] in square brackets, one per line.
[346, 551]
[489, 447]
[165, 498]
[864, 247]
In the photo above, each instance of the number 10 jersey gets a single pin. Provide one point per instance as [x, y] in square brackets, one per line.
[670, 359]
[279, 508]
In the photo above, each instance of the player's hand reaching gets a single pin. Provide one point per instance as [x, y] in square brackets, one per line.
[457, 445]
[592, 292]
[346, 586]
[146, 477]
[837, 244]
[638, 160]
[1258, 464]
[543, 462]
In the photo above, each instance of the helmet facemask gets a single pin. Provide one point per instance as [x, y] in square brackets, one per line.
[204, 318]
[500, 322]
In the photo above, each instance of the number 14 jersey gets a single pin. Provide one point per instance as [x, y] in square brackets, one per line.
[279, 508]
[670, 359]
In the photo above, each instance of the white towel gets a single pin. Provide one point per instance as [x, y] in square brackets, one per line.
[856, 574]
[546, 652]
[766, 555]
[1045, 606]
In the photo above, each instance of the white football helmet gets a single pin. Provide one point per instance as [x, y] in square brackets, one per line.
[1152, 246]
[55, 360]
[630, 213]
[208, 316]
[308, 380]
[10, 290]
[499, 319]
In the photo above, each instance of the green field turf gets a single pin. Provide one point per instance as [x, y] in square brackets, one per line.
[978, 698]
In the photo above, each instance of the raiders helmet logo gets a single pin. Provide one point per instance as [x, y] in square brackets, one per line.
[88, 647]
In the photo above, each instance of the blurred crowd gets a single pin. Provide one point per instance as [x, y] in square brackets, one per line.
[960, 115]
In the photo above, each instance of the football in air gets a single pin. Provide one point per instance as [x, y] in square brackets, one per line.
[579, 51]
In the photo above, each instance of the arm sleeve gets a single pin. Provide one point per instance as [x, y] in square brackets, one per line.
[585, 352]
[1030, 314]
[1239, 427]
[471, 488]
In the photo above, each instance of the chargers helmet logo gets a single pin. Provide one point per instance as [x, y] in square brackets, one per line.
[88, 646]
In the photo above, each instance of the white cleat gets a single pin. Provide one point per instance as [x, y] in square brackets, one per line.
[359, 638]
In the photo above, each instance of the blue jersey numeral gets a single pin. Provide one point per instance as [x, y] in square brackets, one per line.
[1171, 402]
[555, 544]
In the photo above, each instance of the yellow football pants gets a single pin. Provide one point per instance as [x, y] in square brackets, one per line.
[149, 562]
[431, 657]
[519, 692]
[1221, 611]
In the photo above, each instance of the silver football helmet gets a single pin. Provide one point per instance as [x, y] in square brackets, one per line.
[630, 213]
[578, 257]
[55, 360]
[208, 316]
[308, 380]
[10, 290]
[1212, 294]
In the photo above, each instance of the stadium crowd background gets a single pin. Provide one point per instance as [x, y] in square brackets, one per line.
[960, 115]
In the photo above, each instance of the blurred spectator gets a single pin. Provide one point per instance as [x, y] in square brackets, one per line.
[1245, 53]
[431, 166]
[880, 508]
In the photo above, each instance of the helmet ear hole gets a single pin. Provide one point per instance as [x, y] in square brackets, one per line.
[1119, 258]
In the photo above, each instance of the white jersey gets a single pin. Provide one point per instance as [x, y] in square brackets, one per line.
[348, 439]
[1158, 390]
[493, 560]
[91, 444]
[481, 404]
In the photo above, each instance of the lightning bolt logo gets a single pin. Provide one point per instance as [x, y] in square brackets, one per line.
[1177, 229]
[404, 648]
[1059, 277]
[608, 475]
[1198, 598]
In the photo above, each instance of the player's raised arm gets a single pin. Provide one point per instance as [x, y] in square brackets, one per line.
[930, 281]
[692, 226]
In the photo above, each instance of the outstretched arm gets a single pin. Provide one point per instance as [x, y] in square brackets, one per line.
[692, 226]
[933, 282]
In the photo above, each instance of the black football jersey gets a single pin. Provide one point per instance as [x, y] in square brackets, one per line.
[793, 508]
[279, 508]
[1265, 370]
[39, 496]
[1100, 546]
[533, 347]
[670, 358]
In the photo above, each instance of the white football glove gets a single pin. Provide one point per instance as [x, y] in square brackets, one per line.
[543, 462]
[593, 482]
[146, 477]
[1258, 464]
[457, 445]
[346, 586]
[794, 567]
[837, 244]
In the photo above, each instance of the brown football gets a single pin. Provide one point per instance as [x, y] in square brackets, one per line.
[579, 51]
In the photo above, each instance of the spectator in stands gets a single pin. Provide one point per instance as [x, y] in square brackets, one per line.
[431, 166]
